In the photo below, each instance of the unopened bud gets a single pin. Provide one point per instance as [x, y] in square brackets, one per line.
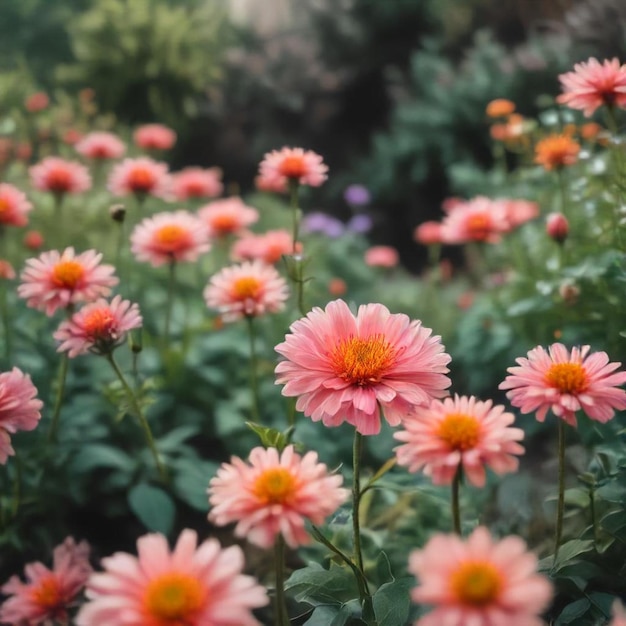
[557, 227]
[118, 212]
[569, 292]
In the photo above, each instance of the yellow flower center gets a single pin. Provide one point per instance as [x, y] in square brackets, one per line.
[47, 594]
[174, 599]
[274, 486]
[99, 324]
[246, 287]
[567, 377]
[67, 274]
[362, 361]
[476, 583]
[172, 238]
[459, 431]
[292, 167]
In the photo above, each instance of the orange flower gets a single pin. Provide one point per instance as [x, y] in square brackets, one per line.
[556, 151]
[500, 108]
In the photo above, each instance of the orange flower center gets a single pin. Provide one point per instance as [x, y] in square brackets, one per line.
[172, 238]
[292, 167]
[99, 324]
[141, 180]
[476, 583]
[362, 361]
[4, 206]
[224, 224]
[479, 227]
[246, 287]
[67, 274]
[567, 377]
[459, 431]
[174, 599]
[274, 486]
[59, 180]
[47, 594]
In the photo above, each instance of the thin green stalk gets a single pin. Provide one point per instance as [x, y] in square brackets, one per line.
[280, 608]
[171, 283]
[295, 212]
[17, 486]
[560, 507]
[6, 322]
[592, 510]
[298, 267]
[560, 172]
[455, 500]
[58, 403]
[254, 381]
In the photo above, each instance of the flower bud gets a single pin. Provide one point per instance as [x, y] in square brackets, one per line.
[570, 292]
[557, 227]
[117, 212]
[33, 240]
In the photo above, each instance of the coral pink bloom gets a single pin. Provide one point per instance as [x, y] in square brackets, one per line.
[428, 233]
[19, 408]
[250, 289]
[479, 581]
[557, 227]
[56, 280]
[37, 101]
[519, 212]
[618, 614]
[274, 494]
[566, 382]
[141, 177]
[195, 182]
[593, 84]
[14, 206]
[347, 368]
[269, 247]
[154, 137]
[381, 256]
[59, 176]
[194, 585]
[101, 146]
[48, 594]
[7, 272]
[229, 216]
[98, 327]
[459, 432]
[167, 237]
[271, 184]
[479, 219]
[292, 164]
[33, 240]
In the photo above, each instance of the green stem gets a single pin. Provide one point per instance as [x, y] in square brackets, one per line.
[282, 615]
[254, 382]
[58, 403]
[560, 507]
[6, 322]
[560, 172]
[592, 509]
[171, 282]
[295, 212]
[17, 487]
[455, 500]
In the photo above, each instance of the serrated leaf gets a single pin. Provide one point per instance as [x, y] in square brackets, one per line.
[153, 506]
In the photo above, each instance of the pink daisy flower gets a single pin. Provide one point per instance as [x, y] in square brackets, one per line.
[479, 581]
[250, 289]
[594, 84]
[519, 211]
[19, 408]
[194, 585]
[6, 270]
[169, 236]
[269, 247]
[275, 493]
[98, 327]
[37, 101]
[459, 432]
[479, 219]
[304, 167]
[618, 614]
[381, 256]
[14, 206]
[100, 146]
[349, 368]
[566, 382]
[59, 176]
[141, 177]
[154, 137]
[195, 182]
[271, 184]
[428, 233]
[48, 594]
[229, 216]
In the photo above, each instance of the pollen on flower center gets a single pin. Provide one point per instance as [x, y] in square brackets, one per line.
[274, 486]
[47, 594]
[246, 287]
[99, 324]
[141, 180]
[476, 583]
[173, 599]
[171, 237]
[67, 274]
[459, 431]
[292, 167]
[362, 361]
[567, 377]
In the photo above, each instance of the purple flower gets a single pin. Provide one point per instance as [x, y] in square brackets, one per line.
[360, 224]
[357, 195]
[318, 222]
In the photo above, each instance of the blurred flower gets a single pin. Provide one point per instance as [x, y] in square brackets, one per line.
[337, 287]
[519, 212]
[269, 247]
[478, 581]
[169, 236]
[323, 223]
[381, 256]
[72, 136]
[557, 227]
[195, 182]
[19, 408]
[60, 176]
[271, 184]
[479, 219]
[357, 195]
[590, 131]
[500, 107]
[14, 206]
[48, 594]
[461, 432]
[594, 84]
[98, 327]
[274, 494]
[154, 137]
[33, 240]
[142, 177]
[56, 280]
[359, 224]
[465, 300]
[565, 383]
[6, 270]
[6, 149]
[193, 584]
[23, 151]
[349, 368]
[618, 614]
[37, 102]
[556, 151]
[101, 146]
[250, 289]
[228, 216]
[513, 132]
[293, 164]
[570, 292]
[117, 213]
[428, 233]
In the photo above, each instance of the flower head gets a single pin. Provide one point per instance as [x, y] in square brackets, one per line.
[33, 240]
[461, 432]
[250, 289]
[48, 594]
[169, 236]
[618, 614]
[357, 195]
[479, 581]
[141, 177]
[323, 223]
[55, 280]
[304, 167]
[500, 107]
[7, 272]
[381, 256]
[37, 101]
[269, 247]
[274, 494]
[479, 219]
[194, 585]
[343, 367]
[100, 146]
[154, 137]
[428, 233]
[557, 227]
[566, 382]
[195, 182]
[519, 212]
[556, 151]
[229, 216]
[60, 176]
[14, 206]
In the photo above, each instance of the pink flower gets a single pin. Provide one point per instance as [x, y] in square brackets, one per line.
[98, 327]
[14, 206]
[519, 211]
[194, 585]
[269, 247]
[33, 240]
[250, 289]
[141, 177]
[195, 182]
[292, 164]
[37, 101]
[479, 581]
[459, 432]
[271, 184]
[565, 383]
[557, 227]
[274, 494]
[7, 272]
[167, 237]
[618, 614]
[229, 216]
[479, 219]
[48, 594]
[19, 408]
[59, 176]
[154, 137]
[593, 84]
[56, 280]
[347, 368]
[381, 256]
[428, 233]
[100, 146]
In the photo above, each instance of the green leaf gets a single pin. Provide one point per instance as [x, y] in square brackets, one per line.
[99, 455]
[153, 506]
[192, 480]
[336, 615]
[315, 585]
[270, 437]
[171, 441]
[392, 602]
[572, 549]
[573, 612]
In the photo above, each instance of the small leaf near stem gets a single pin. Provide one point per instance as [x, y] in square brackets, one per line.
[560, 507]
